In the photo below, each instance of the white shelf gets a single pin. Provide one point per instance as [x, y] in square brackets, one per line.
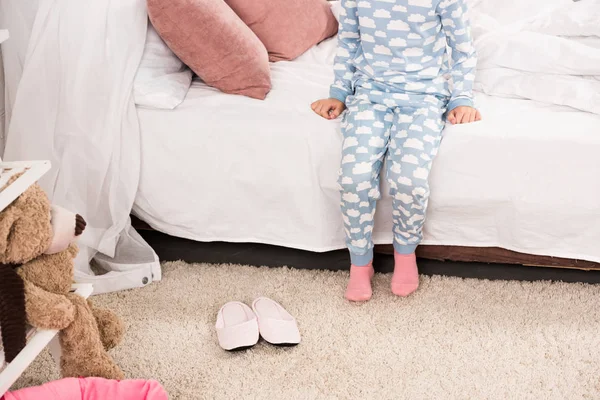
[3, 35]
[31, 172]
[36, 343]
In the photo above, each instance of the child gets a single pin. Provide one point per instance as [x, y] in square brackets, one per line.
[389, 74]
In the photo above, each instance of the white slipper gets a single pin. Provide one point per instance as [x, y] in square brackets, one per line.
[237, 326]
[276, 325]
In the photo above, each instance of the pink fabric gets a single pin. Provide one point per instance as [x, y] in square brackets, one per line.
[215, 43]
[287, 28]
[406, 274]
[359, 285]
[92, 389]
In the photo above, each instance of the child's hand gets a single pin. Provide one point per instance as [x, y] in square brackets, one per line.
[463, 115]
[328, 108]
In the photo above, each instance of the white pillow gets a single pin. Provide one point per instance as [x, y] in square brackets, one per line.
[162, 80]
[510, 11]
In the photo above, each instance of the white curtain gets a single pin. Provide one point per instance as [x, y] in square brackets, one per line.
[69, 76]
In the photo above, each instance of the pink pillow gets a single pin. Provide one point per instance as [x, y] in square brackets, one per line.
[287, 28]
[215, 43]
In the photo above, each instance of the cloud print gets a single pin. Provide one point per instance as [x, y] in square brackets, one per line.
[404, 198]
[361, 243]
[398, 79]
[416, 18]
[389, 102]
[363, 186]
[396, 168]
[350, 198]
[350, 142]
[364, 130]
[419, 191]
[349, 35]
[431, 124]
[415, 218]
[342, 52]
[413, 67]
[367, 38]
[420, 173]
[382, 14]
[440, 44]
[348, 158]
[380, 49]
[346, 219]
[420, 3]
[382, 64]
[366, 115]
[413, 143]
[374, 193]
[398, 25]
[415, 86]
[397, 42]
[410, 159]
[353, 213]
[366, 218]
[403, 180]
[405, 118]
[413, 52]
[361, 168]
[366, 22]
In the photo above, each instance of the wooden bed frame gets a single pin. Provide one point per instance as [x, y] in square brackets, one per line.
[494, 255]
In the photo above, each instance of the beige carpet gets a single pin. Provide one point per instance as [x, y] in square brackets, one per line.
[454, 339]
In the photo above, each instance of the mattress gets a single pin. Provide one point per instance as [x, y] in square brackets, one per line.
[229, 168]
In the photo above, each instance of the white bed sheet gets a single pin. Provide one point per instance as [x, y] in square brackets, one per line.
[229, 168]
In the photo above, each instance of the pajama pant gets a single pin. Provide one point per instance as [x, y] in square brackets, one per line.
[406, 131]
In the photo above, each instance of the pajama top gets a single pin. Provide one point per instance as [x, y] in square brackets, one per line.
[402, 45]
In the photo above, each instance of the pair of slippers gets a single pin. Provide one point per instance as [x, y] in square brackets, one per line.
[239, 326]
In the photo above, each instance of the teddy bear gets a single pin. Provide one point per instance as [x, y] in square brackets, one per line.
[37, 240]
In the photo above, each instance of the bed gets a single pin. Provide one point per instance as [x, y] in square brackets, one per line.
[265, 172]
[521, 185]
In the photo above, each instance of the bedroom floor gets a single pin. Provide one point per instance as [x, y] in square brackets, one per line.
[455, 339]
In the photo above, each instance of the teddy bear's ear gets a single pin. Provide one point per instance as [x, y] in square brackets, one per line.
[8, 217]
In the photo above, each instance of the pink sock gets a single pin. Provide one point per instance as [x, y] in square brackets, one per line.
[406, 274]
[359, 285]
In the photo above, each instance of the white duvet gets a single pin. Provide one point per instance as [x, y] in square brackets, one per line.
[552, 57]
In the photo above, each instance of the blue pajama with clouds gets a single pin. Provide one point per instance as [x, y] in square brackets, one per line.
[401, 65]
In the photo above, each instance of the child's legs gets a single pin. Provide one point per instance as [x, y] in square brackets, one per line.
[366, 130]
[415, 138]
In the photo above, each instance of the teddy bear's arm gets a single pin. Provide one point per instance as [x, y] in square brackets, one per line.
[47, 310]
